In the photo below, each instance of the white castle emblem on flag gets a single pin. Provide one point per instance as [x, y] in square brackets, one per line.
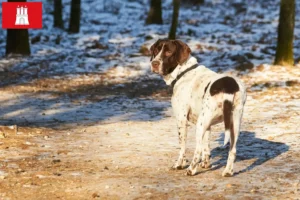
[22, 16]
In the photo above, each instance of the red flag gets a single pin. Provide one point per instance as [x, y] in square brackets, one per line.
[22, 15]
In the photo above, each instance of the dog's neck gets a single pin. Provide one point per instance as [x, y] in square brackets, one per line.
[179, 69]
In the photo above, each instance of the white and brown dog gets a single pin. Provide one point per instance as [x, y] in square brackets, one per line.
[202, 97]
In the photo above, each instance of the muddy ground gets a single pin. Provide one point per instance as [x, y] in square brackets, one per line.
[90, 142]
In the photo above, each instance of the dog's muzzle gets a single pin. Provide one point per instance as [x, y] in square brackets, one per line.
[155, 66]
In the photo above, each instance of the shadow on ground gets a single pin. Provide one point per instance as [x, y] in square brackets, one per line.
[249, 147]
[66, 104]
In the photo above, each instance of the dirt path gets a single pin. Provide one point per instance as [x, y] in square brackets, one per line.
[119, 147]
[93, 123]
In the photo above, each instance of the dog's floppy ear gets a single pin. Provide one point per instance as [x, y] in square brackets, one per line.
[182, 51]
[152, 49]
[152, 52]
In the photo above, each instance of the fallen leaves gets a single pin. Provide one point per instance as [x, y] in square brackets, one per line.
[2, 135]
[8, 130]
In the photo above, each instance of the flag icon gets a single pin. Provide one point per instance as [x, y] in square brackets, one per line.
[22, 15]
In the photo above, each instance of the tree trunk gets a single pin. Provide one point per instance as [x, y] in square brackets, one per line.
[172, 33]
[17, 40]
[284, 51]
[74, 25]
[58, 21]
[155, 13]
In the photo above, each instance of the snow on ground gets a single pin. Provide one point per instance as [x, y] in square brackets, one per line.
[223, 35]
[93, 122]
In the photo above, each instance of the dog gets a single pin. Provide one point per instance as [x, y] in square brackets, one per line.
[202, 97]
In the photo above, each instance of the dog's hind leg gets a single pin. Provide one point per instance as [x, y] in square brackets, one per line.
[205, 162]
[182, 134]
[203, 123]
[234, 134]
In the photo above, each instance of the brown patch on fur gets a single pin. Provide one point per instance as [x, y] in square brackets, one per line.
[191, 117]
[183, 51]
[220, 105]
[205, 89]
[227, 109]
[226, 85]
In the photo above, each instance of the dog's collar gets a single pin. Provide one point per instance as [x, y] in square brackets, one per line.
[182, 74]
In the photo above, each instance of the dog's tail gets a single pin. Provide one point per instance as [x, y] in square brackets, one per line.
[227, 114]
[229, 87]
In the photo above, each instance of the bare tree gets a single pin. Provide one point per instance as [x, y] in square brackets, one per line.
[172, 33]
[58, 21]
[74, 25]
[155, 13]
[17, 40]
[284, 51]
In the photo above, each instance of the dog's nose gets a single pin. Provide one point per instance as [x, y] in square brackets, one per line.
[155, 64]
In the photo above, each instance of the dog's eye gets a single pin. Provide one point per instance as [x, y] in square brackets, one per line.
[168, 53]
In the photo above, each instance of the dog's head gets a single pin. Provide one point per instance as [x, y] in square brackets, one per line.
[167, 54]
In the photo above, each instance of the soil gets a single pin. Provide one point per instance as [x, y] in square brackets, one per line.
[111, 142]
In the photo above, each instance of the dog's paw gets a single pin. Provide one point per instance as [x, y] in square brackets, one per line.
[191, 171]
[205, 165]
[227, 173]
[177, 167]
[180, 165]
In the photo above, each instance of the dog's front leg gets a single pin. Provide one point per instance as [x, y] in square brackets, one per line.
[182, 133]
